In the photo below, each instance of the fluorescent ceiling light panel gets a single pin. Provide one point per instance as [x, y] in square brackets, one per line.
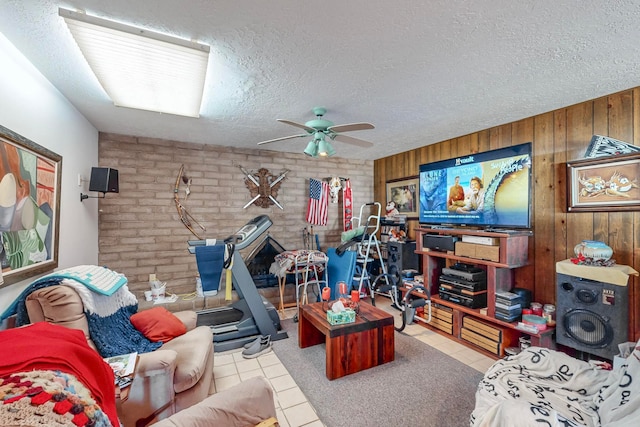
[139, 68]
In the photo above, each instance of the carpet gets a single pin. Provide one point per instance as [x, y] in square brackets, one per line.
[422, 386]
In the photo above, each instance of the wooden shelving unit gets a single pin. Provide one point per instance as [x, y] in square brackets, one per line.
[513, 248]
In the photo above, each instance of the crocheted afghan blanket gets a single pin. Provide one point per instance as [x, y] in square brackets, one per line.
[48, 398]
[108, 316]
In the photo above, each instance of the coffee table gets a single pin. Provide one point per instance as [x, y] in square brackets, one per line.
[353, 347]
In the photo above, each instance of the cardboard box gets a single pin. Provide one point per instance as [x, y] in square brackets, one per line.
[474, 250]
[347, 316]
[616, 275]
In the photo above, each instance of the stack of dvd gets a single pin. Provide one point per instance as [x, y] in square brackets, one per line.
[508, 306]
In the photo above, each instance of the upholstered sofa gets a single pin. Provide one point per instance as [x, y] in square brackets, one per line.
[176, 376]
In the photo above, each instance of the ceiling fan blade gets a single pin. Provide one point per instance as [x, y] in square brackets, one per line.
[352, 140]
[298, 125]
[350, 127]
[283, 138]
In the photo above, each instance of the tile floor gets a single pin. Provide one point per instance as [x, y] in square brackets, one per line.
[293, 409]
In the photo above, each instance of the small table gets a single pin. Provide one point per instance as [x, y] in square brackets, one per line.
[353, 347]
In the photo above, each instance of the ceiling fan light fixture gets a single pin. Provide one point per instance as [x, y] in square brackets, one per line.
[330, 150]
[312, 149]
[320, 129]
[323, 148]
[141, 69]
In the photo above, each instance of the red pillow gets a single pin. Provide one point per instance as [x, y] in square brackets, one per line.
[158, 324]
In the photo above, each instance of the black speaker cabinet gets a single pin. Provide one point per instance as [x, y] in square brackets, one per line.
[104, 180]
[591, 316]
[401, 256]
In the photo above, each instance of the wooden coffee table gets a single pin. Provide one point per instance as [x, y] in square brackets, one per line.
[365, 343]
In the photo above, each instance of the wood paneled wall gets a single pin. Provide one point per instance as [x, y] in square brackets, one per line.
[557, 137]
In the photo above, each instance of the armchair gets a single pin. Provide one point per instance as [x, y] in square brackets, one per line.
[53, 377]
[248, 403]
[167, 380]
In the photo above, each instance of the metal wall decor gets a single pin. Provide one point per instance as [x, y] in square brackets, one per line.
[263, 187]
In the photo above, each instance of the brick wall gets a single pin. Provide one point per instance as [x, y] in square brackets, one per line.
[140, 231]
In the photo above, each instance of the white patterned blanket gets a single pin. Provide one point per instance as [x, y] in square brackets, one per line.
[99, 279]
[541, 387]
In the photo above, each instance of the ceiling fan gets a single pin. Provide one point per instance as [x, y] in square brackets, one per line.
[319, 128]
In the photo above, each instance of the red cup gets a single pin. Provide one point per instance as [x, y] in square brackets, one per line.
[326, 293]
[355, 296]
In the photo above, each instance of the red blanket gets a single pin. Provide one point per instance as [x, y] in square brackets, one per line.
[43, 346]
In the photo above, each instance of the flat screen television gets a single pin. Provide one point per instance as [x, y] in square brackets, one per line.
[489, 190]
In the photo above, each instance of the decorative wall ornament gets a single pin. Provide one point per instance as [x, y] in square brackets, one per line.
[603, 146]
[185, 216]
[335, 185]
[263, 187]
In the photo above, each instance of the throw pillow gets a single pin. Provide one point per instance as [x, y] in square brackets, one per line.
[158, 324]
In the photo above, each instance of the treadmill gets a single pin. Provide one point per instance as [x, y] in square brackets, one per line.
[242, 321]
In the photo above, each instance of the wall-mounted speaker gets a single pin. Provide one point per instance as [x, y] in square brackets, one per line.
[401, 256]
[104, 180]
[591, 316]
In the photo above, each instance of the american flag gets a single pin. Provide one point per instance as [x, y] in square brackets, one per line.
[318, 202]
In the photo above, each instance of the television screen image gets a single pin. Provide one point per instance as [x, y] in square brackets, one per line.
[491, 189]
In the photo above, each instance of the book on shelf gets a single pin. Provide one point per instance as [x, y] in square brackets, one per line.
[123, 366]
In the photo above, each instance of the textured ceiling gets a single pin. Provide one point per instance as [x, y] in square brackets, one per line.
[420, 71]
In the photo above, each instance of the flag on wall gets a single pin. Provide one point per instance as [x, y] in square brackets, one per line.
[347, 206]
[318, 202]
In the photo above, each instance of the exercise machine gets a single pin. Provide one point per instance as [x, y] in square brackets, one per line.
[252, 315]
[415, 297]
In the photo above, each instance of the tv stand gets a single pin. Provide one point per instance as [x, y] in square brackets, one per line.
[470, 322]
[441, 227]
[503, 230]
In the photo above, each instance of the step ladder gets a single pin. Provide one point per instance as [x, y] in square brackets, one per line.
[368, 247]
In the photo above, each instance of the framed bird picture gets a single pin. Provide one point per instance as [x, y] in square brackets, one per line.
[604, 184]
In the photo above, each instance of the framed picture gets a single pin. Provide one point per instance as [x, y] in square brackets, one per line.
[604, 184]
[404, 193]
[30, 177]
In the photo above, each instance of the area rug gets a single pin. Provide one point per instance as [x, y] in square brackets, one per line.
[422, 386]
